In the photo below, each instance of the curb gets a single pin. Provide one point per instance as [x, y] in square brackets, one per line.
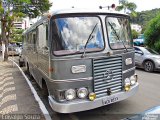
[41, 105]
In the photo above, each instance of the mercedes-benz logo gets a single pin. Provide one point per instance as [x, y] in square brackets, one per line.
[108, 74]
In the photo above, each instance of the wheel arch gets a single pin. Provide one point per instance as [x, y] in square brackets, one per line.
[44, 86]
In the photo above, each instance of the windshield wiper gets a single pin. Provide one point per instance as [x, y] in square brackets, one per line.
[89, 38]
[118, 36]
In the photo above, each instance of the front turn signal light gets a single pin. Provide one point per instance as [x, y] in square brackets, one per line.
[92, 96]
[127, 87]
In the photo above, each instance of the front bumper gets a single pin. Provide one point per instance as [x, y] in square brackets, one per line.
[87, 105]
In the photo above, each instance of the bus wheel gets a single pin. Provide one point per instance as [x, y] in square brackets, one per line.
[21, 64]
[21, 61]
[28, 71]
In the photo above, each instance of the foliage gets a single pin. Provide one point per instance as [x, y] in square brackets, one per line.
[16, 35]
[16, 9]
[134, 34]
[127, 7]
[31, 8]
[144, 17]
[152, 36]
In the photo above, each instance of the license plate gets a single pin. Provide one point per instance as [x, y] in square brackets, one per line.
[110, 100]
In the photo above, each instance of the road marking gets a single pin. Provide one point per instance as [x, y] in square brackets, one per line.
[42, 106]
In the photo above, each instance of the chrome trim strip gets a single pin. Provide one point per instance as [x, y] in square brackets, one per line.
[68, 59]
[71, 80]
[128, 70]
[86, 58]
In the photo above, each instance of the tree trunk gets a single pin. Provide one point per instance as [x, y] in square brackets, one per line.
[3, 49]
[6, 51]
[4, 40]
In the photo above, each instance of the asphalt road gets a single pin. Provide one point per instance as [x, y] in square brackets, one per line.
[148, 96]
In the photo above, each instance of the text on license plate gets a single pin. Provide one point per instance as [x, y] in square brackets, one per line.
[110, 100]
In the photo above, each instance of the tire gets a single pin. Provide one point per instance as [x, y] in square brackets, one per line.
[28, 71]
[21, 64]
[27, 68]
[148, 66]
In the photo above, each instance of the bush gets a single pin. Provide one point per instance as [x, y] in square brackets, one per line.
[152, 34]
[134, 34]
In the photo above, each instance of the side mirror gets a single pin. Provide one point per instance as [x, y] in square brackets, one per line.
[139, 52]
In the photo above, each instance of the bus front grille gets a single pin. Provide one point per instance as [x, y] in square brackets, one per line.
[107, 74]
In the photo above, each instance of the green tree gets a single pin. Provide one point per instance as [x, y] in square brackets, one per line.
[15, 9]
[16, 35]
[127, 7]
[151, 34]
[135, 34]
[144, 17]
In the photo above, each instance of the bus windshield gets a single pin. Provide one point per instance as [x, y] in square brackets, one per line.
[119, 33]
[72, 35]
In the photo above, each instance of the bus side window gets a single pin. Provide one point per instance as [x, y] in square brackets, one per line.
[43, 38]
[34, 41]
[24, 41]
[56, 43]
[28, 41]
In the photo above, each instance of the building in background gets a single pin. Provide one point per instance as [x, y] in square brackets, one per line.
[20, 25]
[24, 24]
[136, 27]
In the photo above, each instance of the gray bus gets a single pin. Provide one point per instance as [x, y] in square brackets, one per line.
[83, 59]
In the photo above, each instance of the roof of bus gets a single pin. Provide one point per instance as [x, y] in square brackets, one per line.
[73, 11]
[91, 10]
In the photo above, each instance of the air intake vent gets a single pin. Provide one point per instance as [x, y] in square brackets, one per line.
[107, 75]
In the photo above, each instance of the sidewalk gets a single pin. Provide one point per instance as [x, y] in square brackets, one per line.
[16, 97]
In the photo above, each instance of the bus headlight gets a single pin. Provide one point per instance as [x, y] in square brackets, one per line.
[128, 61]
[127, 85]
[82, 92]
[133, 79]
[70, 94]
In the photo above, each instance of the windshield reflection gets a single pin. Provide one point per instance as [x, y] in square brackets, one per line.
[118, 32]
[71, 34]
